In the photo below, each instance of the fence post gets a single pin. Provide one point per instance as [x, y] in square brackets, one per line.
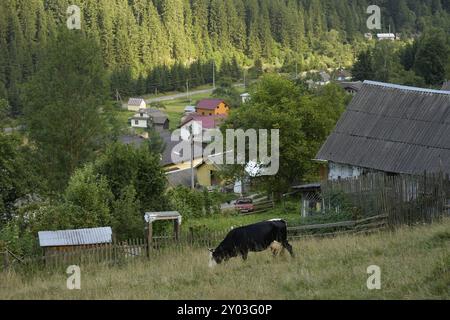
[149, 238]
[5, 259]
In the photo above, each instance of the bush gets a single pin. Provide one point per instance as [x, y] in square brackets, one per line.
[91, 193]
[195, 204]
[189, 203]
[127, 220]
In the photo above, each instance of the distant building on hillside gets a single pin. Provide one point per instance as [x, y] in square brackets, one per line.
[189, 109]
[343, 75]
[150, 118]
[324, 78]
[203, 122]
[368, 36]
[386, 36]
[351, 87]
[210, 107]
[135, 104]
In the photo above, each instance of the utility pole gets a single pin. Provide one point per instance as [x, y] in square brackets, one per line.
[245, 80]
[191, 131]
[296, 69]
[214, 75]
[118, 97]
[187, 90]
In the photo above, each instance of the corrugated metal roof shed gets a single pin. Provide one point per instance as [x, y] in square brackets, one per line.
[75, 237]
[393, 128]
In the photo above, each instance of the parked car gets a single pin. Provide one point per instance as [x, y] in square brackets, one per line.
[244, 205]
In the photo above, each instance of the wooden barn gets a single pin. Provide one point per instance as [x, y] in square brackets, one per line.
[68, 240]
[391, 129]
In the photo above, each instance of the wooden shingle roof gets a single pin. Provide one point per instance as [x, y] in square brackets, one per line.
[393, 128]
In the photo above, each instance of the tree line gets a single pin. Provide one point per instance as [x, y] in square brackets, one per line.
[142, 39]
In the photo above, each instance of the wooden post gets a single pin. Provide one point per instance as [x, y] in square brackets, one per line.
[176, 229]
[149, 238]
[6, 260]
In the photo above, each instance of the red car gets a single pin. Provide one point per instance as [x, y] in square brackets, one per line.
[244, 205]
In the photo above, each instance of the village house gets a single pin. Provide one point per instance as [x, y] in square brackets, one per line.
[210, 107]
[392, 129]
[320, 79]
[204, 122]
[150, 118]
[135, 104]
[205, 174]
[343, 75]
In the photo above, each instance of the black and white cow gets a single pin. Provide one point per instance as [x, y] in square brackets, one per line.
[252, 238]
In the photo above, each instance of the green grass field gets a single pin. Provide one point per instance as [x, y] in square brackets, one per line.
[414, 262]
[225, 222]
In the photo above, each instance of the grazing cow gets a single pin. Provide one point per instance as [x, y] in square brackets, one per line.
[252, 238]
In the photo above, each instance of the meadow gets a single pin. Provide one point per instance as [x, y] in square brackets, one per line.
[414, 262]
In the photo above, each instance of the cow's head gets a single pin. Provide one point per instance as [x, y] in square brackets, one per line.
[214, 258]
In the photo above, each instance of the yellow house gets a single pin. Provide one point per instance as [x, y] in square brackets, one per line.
[210, 107]
[205, 175]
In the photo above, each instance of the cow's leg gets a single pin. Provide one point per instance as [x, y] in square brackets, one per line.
[288, 248]
[244, 255]
[282, 235]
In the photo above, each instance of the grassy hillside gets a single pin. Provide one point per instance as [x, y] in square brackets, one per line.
[415, 264]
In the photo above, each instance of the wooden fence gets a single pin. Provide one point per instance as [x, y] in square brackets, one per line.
[366, 225]
[261, 206]
[405, 199]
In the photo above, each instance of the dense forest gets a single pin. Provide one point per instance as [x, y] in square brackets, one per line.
[141, 39]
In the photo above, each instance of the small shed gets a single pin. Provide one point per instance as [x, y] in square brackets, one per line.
[189, 109]
[67, 240]
[151, 217]
[311, 198]
[245, 97]
[386, 36]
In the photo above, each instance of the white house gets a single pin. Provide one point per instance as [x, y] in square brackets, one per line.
[135, 104]
[140, 120]
[147, 118]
